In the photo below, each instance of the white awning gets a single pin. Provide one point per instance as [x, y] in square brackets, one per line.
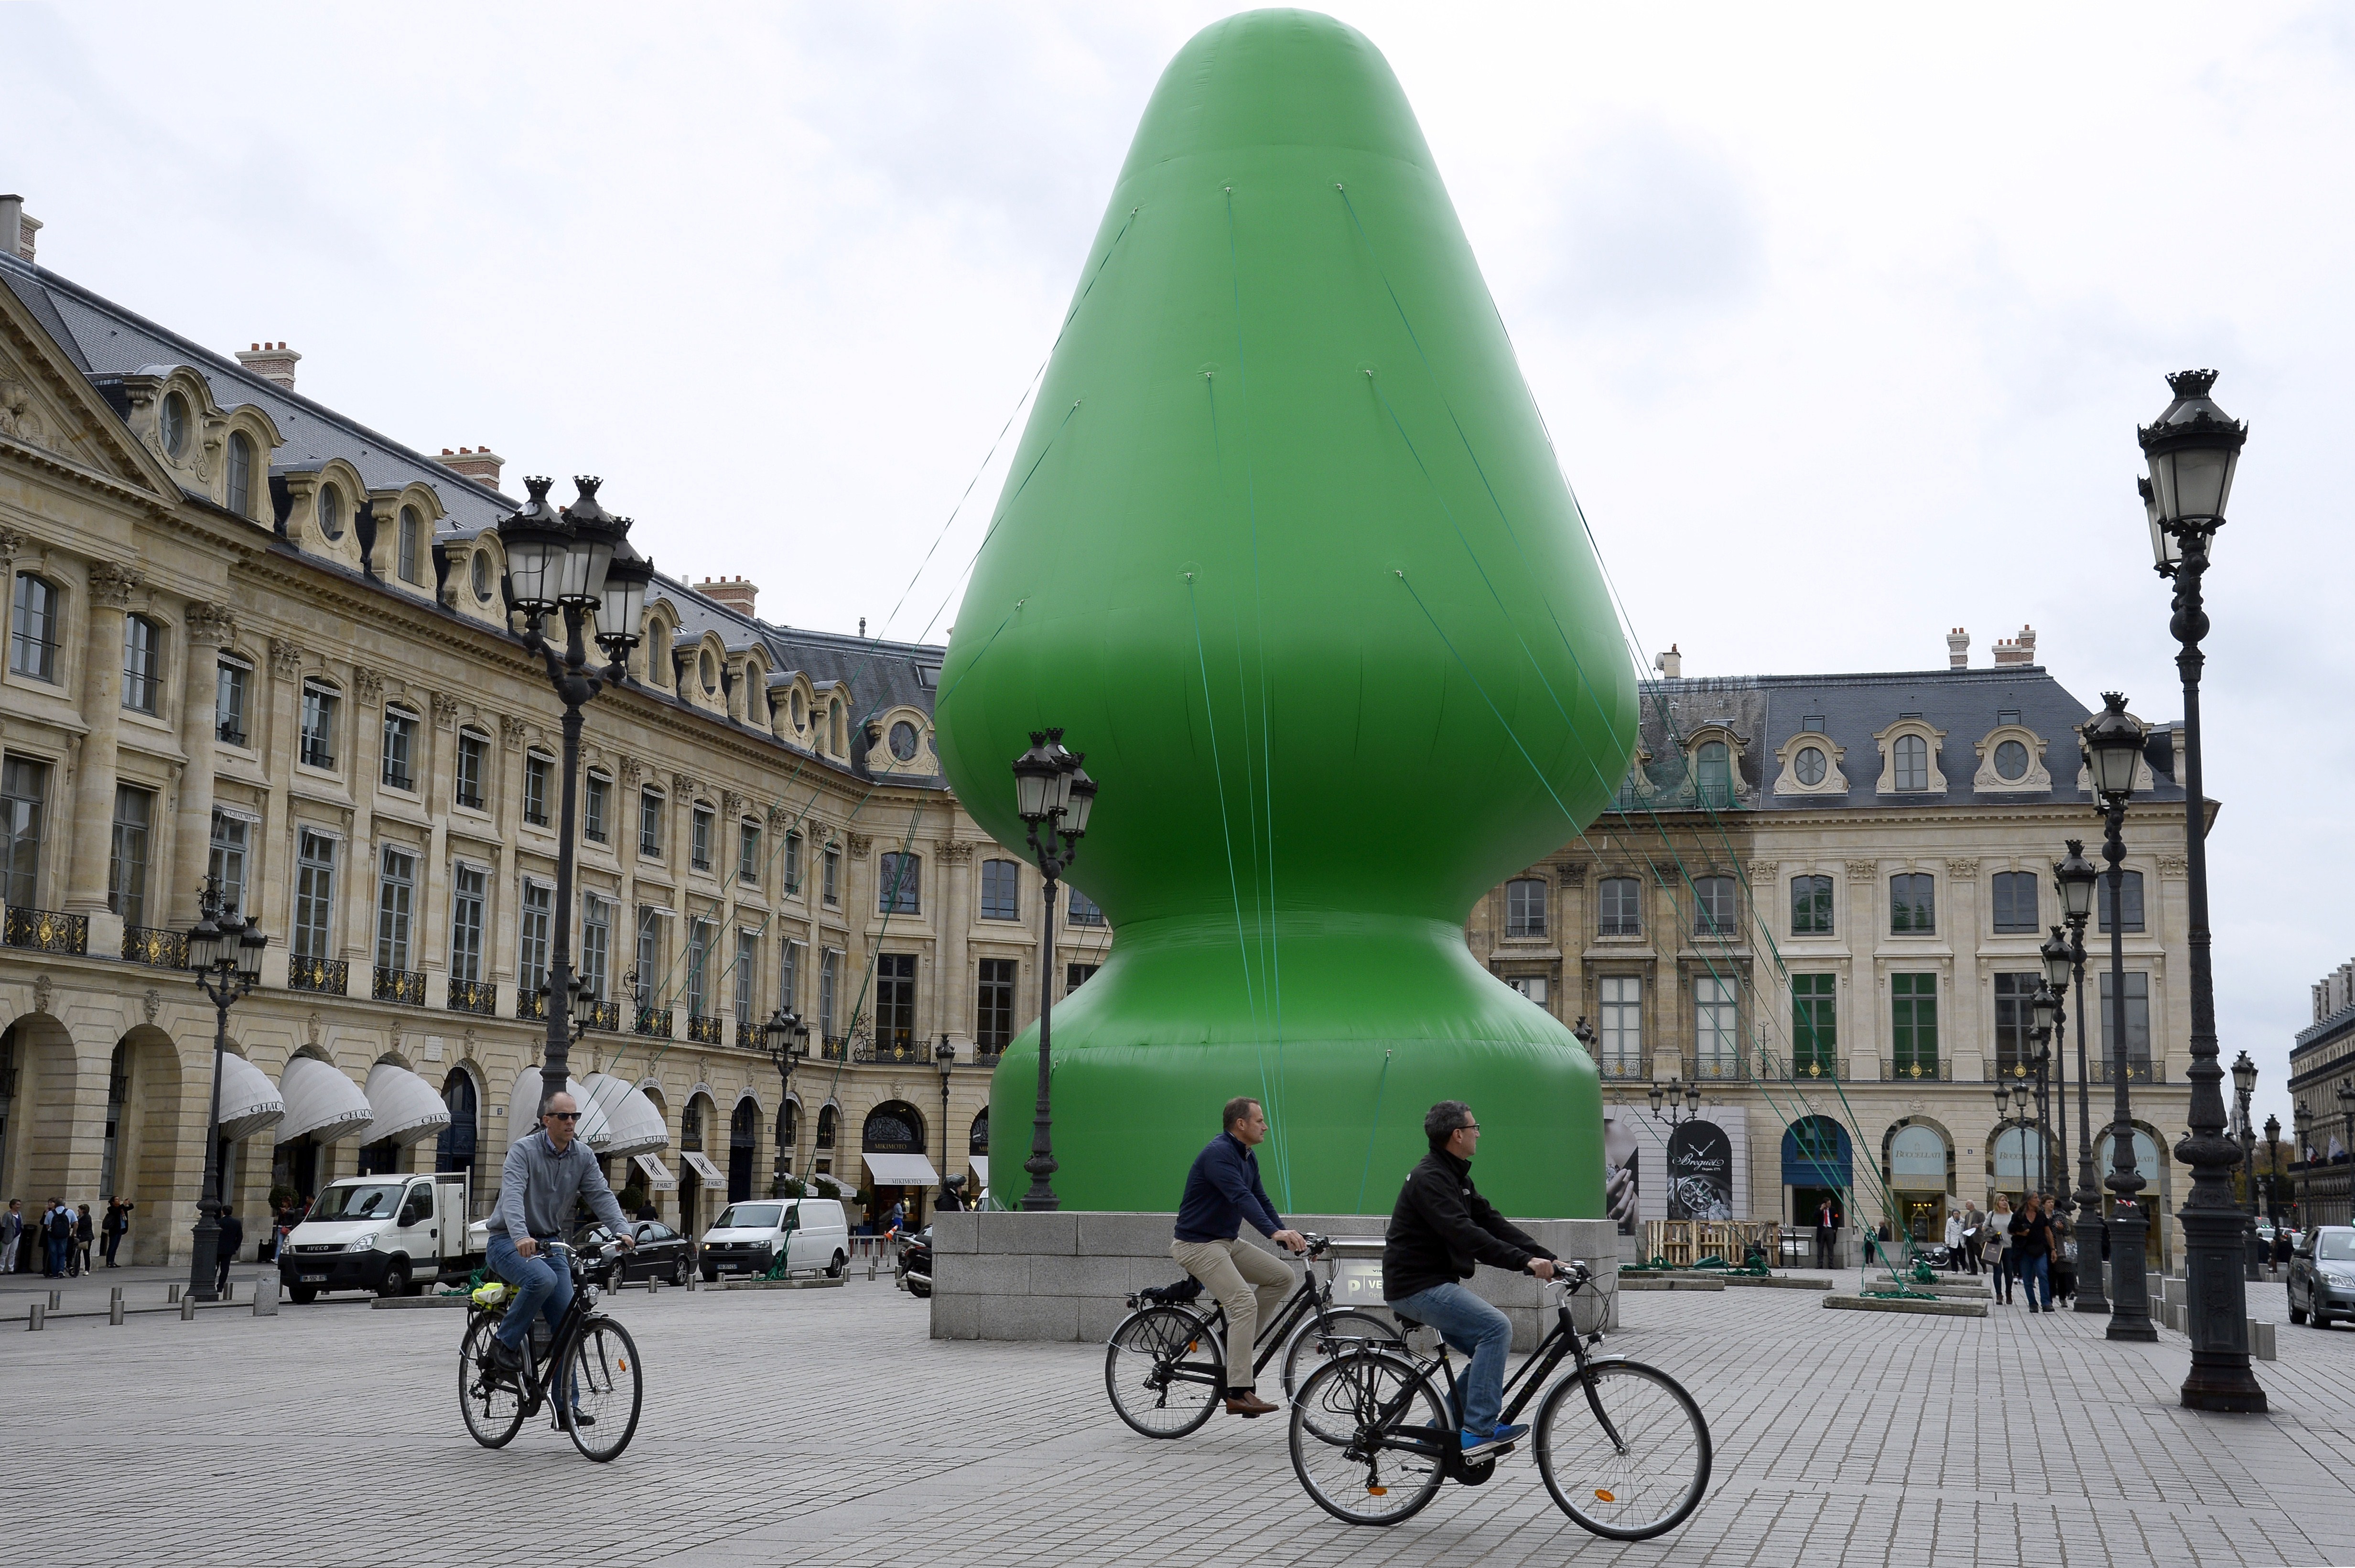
[250, 1102]
[980, 1163]
[321, 1103]
[523, 1108]
[902, 1171]
[658, 1174]
[633, 1126]
[709, 1173]
[407, 1108]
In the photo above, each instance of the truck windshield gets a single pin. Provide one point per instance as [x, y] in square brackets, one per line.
[376, 1200]
[749, 1217]
[2336, 1247]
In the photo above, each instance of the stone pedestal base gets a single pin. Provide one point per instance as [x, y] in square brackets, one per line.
[1067, 1275]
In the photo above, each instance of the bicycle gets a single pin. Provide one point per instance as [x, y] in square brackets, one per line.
[597, 1359]
[1372, 1436]
[1163, 1384]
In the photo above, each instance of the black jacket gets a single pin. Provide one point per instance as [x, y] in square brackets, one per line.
[1441, 1226]
[232, 1236]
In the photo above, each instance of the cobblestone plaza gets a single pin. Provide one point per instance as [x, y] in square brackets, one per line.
[825, 1427]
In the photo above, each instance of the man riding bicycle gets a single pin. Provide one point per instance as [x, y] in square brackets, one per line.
[1223, 1190]
[1440, 1229]
[547, 1172]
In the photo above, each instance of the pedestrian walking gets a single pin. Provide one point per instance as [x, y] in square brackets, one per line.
[2032, 1234]
[1827, 1233]
[116, 1226]
[1953, 1240]
[56, 1228]
[12, 1234]
[84, 1234]
[232, 1236]
[1998, 1237]
[1973, 1238]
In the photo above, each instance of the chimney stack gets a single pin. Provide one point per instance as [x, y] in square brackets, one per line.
[1670, 664]
[1958, 648]
[2020, 650]
[274, 362]
[736, 593]
[17, 229]
[480, 464]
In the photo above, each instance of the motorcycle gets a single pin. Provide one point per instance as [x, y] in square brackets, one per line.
[913, 1270]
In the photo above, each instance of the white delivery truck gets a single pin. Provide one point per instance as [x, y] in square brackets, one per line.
[392, 1235]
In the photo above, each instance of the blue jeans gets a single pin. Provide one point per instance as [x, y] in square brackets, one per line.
[1480, 1331]
[57, 1251]
[2006, 1269]
[2036, 1270]
[541, 1286]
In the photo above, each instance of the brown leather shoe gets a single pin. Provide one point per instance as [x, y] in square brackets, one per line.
[1248, 1404]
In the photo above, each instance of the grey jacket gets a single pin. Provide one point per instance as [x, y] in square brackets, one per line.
[539, 1186]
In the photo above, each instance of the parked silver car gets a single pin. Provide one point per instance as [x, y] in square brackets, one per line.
[2322, 1276]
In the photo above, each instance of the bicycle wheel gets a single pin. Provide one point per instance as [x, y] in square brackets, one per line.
[489, 1400]
[1648, 1480]
[601, 1390]
[1308, 1351]
[1139, 1360]
[1345, 1421]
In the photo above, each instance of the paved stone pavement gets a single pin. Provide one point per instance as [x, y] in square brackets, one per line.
[825, 1427]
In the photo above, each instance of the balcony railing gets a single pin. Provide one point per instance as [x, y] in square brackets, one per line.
[892, 1050]
[531, 1002]
[45, 931]
[604, 1015]
[1622, 1069]
[2002, 1072]
[1720, 1069]
[406, 987]
[653, 1020]
[2137, 1072]
[1916, 1070]
[1823, 1068]
[156, 949]
[987, 1058]
[333, 976]
[473, 996]
[748, 1037]
[833, 1049]
[703, 1028]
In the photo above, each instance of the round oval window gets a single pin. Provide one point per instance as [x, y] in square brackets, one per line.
[2011, 761]
[903, 741]
[481, 572]
[710, 671]
[1809, 765]
[331, 512]
[176, 424]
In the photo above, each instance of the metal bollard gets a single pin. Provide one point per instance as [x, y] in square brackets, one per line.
[57, 1300]
[34, 1314]
[115, 1295]
[187, 1308]
[171, 1295]
[114, 1310]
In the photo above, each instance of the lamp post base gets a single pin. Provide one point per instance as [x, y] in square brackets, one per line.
[2091, 1296]
[2129, 1294]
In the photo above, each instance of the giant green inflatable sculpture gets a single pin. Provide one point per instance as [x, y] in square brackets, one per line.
[1286, 553]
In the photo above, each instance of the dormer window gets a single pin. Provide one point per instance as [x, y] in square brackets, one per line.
[1810, 765]
[331, 512]
[1911, 759]
[173, 425]
[657, 654]
[801, 713]
[2011, 761]
[240, 474]
[478, 574]
[709, 668]
[1714, 774]
[903, 741]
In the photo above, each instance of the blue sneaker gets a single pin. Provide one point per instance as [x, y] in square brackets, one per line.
[1503, 1437]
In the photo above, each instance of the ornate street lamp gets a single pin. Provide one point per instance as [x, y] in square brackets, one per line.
[2273, 1181]
[2245, 1085]
[2345, 1094]
[2113, 744]
[225, 952]
[2053, 953]
[2192, 449]
[2304, 1118]
[2076, 878]
[1667, 1094]
[785, 1038]
[572, 562]
[1053, 792]
[944, 1058]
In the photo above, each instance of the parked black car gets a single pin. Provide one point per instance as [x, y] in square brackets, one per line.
[913, 1273]
[661, 1253]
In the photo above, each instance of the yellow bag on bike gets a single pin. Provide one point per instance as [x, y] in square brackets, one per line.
[494, 1297]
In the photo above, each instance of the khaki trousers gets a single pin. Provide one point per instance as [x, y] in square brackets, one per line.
[1247, 1282]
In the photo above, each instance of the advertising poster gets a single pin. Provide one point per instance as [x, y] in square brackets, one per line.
[1701, 1173]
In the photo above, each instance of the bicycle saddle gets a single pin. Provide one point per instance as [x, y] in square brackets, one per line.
[1406, 1325]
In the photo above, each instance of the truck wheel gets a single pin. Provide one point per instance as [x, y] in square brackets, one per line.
[396, 1278]
[303, 1295]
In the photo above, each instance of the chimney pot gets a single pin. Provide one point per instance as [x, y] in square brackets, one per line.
[2020, 650]
[1670, 664]
[274, 362]
[736, 593]
[480, 464]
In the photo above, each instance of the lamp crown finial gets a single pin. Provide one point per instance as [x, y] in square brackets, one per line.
[2190, 382]
[538, 484]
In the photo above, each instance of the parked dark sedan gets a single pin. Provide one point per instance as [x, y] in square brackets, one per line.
[661, 1253]
[2322, 1276]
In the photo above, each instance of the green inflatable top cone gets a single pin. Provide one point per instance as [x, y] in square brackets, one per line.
[1285, 553]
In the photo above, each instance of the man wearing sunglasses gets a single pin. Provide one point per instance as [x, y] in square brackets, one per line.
[1440, 1229]
[545, 1175]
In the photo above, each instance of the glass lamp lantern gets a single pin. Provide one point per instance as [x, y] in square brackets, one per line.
[2113, 744]
[207, 945]
[2244, 1075]
[249, 944]
[2192, 449]
[2076, 878]
[1036, 776]
[622, 604]
[2058, 959]
[536, 540]
[1081, 801]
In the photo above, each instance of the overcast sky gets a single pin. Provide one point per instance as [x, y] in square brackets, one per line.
[1842, 318]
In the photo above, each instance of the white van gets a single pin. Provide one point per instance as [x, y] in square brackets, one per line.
[748, 1237]
[392, 1235]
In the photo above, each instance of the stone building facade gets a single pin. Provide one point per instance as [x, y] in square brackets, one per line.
[1820, 897]
[2322, 1064]
[250, 638]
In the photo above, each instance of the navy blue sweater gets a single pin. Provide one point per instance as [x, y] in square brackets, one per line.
[1222, 1191]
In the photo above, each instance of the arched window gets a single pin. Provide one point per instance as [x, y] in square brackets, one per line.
[789, 1132]
[690, 1124]
[833, 720]
[828, 1117]
[412, 542]
[1716, 775]
[172, 424]
[903, 741]
[657, 654]
[331, 512]
[709, 669]
[241, 473]
[1912, 757]
[743, 1139]
[478, 572]
[453, 1150]
[801, 713]
[892, 1127]
[977, 1140]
